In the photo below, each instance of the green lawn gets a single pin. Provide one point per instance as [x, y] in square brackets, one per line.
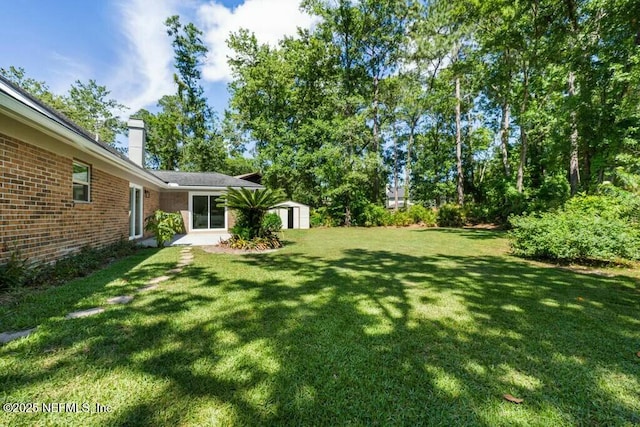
[343, 326]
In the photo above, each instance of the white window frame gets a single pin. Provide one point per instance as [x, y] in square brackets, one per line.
[87, 183]
[205, 230]
[140, 200]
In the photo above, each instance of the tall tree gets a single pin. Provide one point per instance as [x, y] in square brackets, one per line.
[89, 106]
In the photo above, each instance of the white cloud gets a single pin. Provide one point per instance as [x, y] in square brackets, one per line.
[269, 20]
[144, 72]
[64, 72]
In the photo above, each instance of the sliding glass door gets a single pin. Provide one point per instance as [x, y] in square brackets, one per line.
[135, 211]
[205, 213]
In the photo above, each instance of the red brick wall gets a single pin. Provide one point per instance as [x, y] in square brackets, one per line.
[150, 204]
[37, 214]
[176, 201]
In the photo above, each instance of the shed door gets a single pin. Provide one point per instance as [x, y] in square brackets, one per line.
[290, 218]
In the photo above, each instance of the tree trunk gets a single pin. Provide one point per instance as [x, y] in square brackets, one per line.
[347, 216]
[376, 144]
[460, 183]
[395, 171]
[523, 134]
[504, 138]
[407, 167]
[574, 168]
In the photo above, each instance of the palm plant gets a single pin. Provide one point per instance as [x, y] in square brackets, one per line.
[251, 206]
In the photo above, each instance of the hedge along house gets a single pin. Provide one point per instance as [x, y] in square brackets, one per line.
[61, 190]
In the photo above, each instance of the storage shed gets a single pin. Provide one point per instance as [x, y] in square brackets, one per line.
[292, 214]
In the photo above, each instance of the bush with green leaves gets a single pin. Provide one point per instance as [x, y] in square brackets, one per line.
[450, 215]
[475, 213]
[586, 228]
[250, 207]
[421, 215]
[14, 273]
[164, 225]
[271, 223]
[236, 241]
[401, 219]
[18, 271]
[375, 215]
[321, 217]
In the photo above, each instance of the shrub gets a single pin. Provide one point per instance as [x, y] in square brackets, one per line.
[421, 215]
[251, 206]
[257, 243]
[450, 215]
[401, 219]
[376, 215]
[587, 228]
[164, 226]
[476, 214]
[553, 193]
[322, 218]
[19, 272]
[271, 223]
[14, 272]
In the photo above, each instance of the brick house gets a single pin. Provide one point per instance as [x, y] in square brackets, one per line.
[61, 190]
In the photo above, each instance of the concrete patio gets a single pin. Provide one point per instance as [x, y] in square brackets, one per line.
[191, 239]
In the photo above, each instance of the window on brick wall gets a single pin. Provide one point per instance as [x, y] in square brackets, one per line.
[81, 182]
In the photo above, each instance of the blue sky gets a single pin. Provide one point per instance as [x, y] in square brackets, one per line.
[123, 43]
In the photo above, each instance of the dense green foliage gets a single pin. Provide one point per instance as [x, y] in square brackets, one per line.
[271, 223]
[450, 215]
[508, 106]
[19, 271]
[164, 225]
[586, 228]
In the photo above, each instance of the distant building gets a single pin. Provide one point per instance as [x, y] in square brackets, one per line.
[391, 198]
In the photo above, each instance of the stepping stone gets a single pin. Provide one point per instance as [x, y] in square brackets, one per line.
[186, 257]
[147, 288]
[85, 313]
[182, 264]
[159, 279]
[5, 337]
[176, 270]
[122, 299]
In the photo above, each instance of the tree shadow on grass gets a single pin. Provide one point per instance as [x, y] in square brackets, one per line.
[36, 306]
[474, 234]
[454, 334]
[370, 337]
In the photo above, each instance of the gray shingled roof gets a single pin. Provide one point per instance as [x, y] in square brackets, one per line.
[391, 193]
[203, 179]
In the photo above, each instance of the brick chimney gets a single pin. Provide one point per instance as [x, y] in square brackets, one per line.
[137, 140]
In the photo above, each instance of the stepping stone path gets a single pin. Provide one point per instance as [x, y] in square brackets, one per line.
[185, 259]
[5, 337]
[123, 299]
[159, 279]
[85, 313]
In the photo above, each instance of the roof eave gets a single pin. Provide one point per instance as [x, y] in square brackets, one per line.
[27, 115]
[206, 188]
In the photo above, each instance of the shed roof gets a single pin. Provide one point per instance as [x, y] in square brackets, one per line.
[290, 204]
